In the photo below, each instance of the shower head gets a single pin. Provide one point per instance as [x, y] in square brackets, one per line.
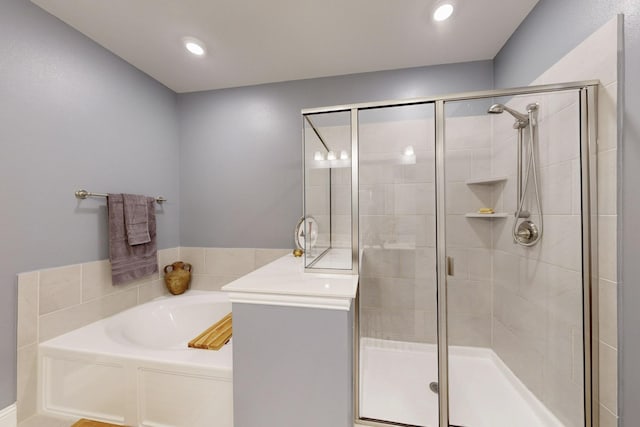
[496, 109]
[522, 119]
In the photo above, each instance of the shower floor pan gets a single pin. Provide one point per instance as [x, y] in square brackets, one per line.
[395, 378]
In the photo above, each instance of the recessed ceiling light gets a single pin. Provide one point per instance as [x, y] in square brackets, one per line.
[443, 12]
[194, 46]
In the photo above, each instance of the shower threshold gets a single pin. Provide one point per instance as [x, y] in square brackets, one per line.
[395, 378]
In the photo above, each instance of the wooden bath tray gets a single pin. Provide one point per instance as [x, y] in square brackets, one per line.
[89, 423]
[215, 336]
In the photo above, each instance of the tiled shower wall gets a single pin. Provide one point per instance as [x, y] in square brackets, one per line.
[525, 303]
[397, 224]
[57, 300]
[537, 292]
[543, 282]
[397, 231]
[468, 157]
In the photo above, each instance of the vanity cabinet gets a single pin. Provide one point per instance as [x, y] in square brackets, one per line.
[293, 347]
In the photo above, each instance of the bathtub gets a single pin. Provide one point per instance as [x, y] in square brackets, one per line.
[135, 368]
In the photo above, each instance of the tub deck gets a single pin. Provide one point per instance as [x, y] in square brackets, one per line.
[106, 371]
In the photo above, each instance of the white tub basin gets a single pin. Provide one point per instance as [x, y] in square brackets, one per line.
[135, 368]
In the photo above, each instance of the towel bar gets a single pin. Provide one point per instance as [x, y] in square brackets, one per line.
[83, 194]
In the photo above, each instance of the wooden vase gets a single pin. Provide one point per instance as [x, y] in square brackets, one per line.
[177, 277]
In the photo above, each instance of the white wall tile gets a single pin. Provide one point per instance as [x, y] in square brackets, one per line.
[480, 165]
[96, 281]
[607, 182]
[340, 199]
[68, 319]
[265, 256]
[607, 117]
[469, 297]
[371, 173]
[469, 330]
[576, 187]
[506, 269]
[556, 189]
[59, 288]
[167, 257]
[549, 274]
[607, 251]
[563, 397]
[373, 198]
[229, 261]
[559, 137]
[607, 418]
[463, 198]
[150, 290]
[608, 313]
[524, 318]
[561, 243]
[480, 265]
[468, 232]
[27, 380]
[414, 199]
[457, 165]
[425, 265]
[609, 377]
[397, 263]
[193, 256]
[27, 308]
[422, 171]
[387, 293]
[521, 356]
[581, 64]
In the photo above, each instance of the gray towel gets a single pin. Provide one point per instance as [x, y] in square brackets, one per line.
[136, 219]
[129, 262]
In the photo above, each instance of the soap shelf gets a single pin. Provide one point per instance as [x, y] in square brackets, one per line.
[493, 215]
[482, 181]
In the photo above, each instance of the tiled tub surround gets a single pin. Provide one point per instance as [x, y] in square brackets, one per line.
[89, 296]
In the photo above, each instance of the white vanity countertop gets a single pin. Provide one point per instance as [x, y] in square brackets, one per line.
[284, 282]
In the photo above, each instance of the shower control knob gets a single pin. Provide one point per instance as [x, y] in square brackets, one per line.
[524, 234]
[527, 233]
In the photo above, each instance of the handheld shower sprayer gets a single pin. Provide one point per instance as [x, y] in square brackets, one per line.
[522, 120]
[525, 233]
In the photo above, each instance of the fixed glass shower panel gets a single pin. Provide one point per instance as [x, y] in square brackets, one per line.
[514, 237]
[398, 365]
[326, 234]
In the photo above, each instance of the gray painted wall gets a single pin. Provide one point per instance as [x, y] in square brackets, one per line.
[551, 30]
[241, 160]
[71, 115]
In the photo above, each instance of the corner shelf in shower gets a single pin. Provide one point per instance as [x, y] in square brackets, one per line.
[487, 216]
[483, 181]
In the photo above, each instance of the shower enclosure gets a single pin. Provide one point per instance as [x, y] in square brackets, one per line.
[473, 233]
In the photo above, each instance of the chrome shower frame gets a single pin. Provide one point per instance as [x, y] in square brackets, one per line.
[588, 92]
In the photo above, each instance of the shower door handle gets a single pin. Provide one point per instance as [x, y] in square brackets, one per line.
[450, 266]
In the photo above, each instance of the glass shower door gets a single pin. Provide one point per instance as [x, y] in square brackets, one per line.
[514, 235]
[398, 373]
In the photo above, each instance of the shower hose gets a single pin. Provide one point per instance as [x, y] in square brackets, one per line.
[531, 170]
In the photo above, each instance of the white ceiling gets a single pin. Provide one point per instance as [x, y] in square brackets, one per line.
[261, 41]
